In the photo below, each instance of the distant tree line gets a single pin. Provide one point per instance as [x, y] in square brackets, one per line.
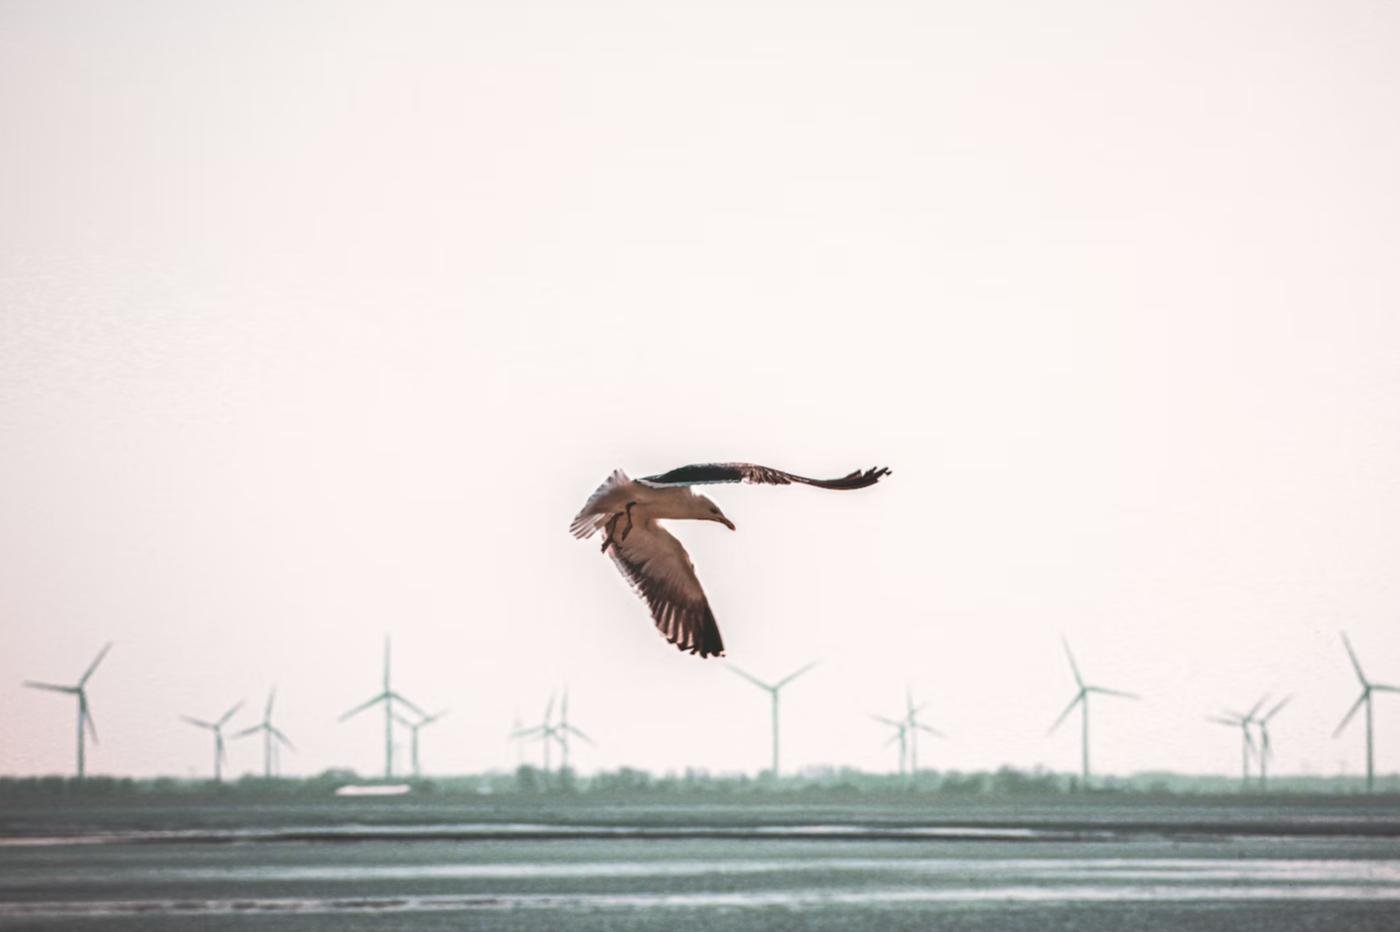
[821, 783]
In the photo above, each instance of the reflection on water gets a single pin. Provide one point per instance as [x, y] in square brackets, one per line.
[1020, 869]
[799, 899]
[525, 830]
[895, 881]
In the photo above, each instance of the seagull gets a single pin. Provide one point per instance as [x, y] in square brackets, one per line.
[653, 562]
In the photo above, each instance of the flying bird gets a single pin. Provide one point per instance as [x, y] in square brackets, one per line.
[653, 562]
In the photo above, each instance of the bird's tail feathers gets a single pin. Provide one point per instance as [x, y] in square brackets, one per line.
[593, 516]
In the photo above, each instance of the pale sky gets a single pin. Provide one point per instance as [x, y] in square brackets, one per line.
[319, 321]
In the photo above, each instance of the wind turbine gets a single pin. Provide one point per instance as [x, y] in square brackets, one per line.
[901, 735]
[272, 735]
[85, 722]
[413, 728]
[562, 731]
[1242, 722]
[545, 731]
[773, 690]
[388, 697]
[1265, 748]
[217, 727]
[1081, 699]
[914, 726]
[1367, 688]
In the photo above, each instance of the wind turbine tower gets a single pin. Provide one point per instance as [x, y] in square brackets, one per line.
[272, 736]
[563, 731]
[1266, 749]
[901, 734]
[773, 689]
[413, 728]
[217, 727]
[388, 697]
[913, 726]
[1367, 688]
[1247, 747]
[85, 723]
[1081, 699]
[545, 732]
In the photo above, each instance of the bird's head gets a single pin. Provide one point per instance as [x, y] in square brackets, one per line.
[709, 511]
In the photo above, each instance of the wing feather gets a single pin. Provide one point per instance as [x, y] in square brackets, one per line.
[706, 473]
[659, 570]
[601, 506]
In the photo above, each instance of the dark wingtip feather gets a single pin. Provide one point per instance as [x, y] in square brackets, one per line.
[859, 479]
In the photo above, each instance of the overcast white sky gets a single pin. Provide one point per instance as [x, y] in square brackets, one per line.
[320, 320]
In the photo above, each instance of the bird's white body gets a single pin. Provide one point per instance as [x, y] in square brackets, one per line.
[648, 503]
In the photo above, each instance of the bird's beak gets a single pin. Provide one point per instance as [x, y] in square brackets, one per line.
[727, 523]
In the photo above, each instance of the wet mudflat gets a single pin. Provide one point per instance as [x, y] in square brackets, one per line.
[416, 865]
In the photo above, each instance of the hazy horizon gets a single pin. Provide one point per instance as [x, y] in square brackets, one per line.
[320, 322]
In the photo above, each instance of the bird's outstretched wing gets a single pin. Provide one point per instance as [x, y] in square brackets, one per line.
[703, 473]
[659, 569]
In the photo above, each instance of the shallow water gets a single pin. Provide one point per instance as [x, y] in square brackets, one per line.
[307, 868]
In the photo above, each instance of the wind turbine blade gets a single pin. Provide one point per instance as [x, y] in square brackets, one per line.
[564, 708]
[402, 721]
[199, 722]
[1383, 688]
[578, 734]
[1350, 712]
[1078, 679]
[1111, 692]
[277, 733]
[528, 732]
[1275, 710]
[933, 731]
[434, 717]
[1078, 698]
[382, 697]
[249, 731]
[1249, 740]
[887, 721]
[267, 710]
[93, 666]
[893, 738]
[413, 708]
[792, 676]
[549, 710]
[748, 676]
[70, 690]
[1355, 664]
[1249, 716]
[231, 712]
[1232, 722]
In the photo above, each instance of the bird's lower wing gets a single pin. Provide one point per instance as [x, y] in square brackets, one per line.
[706, 473]
[657, 567]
